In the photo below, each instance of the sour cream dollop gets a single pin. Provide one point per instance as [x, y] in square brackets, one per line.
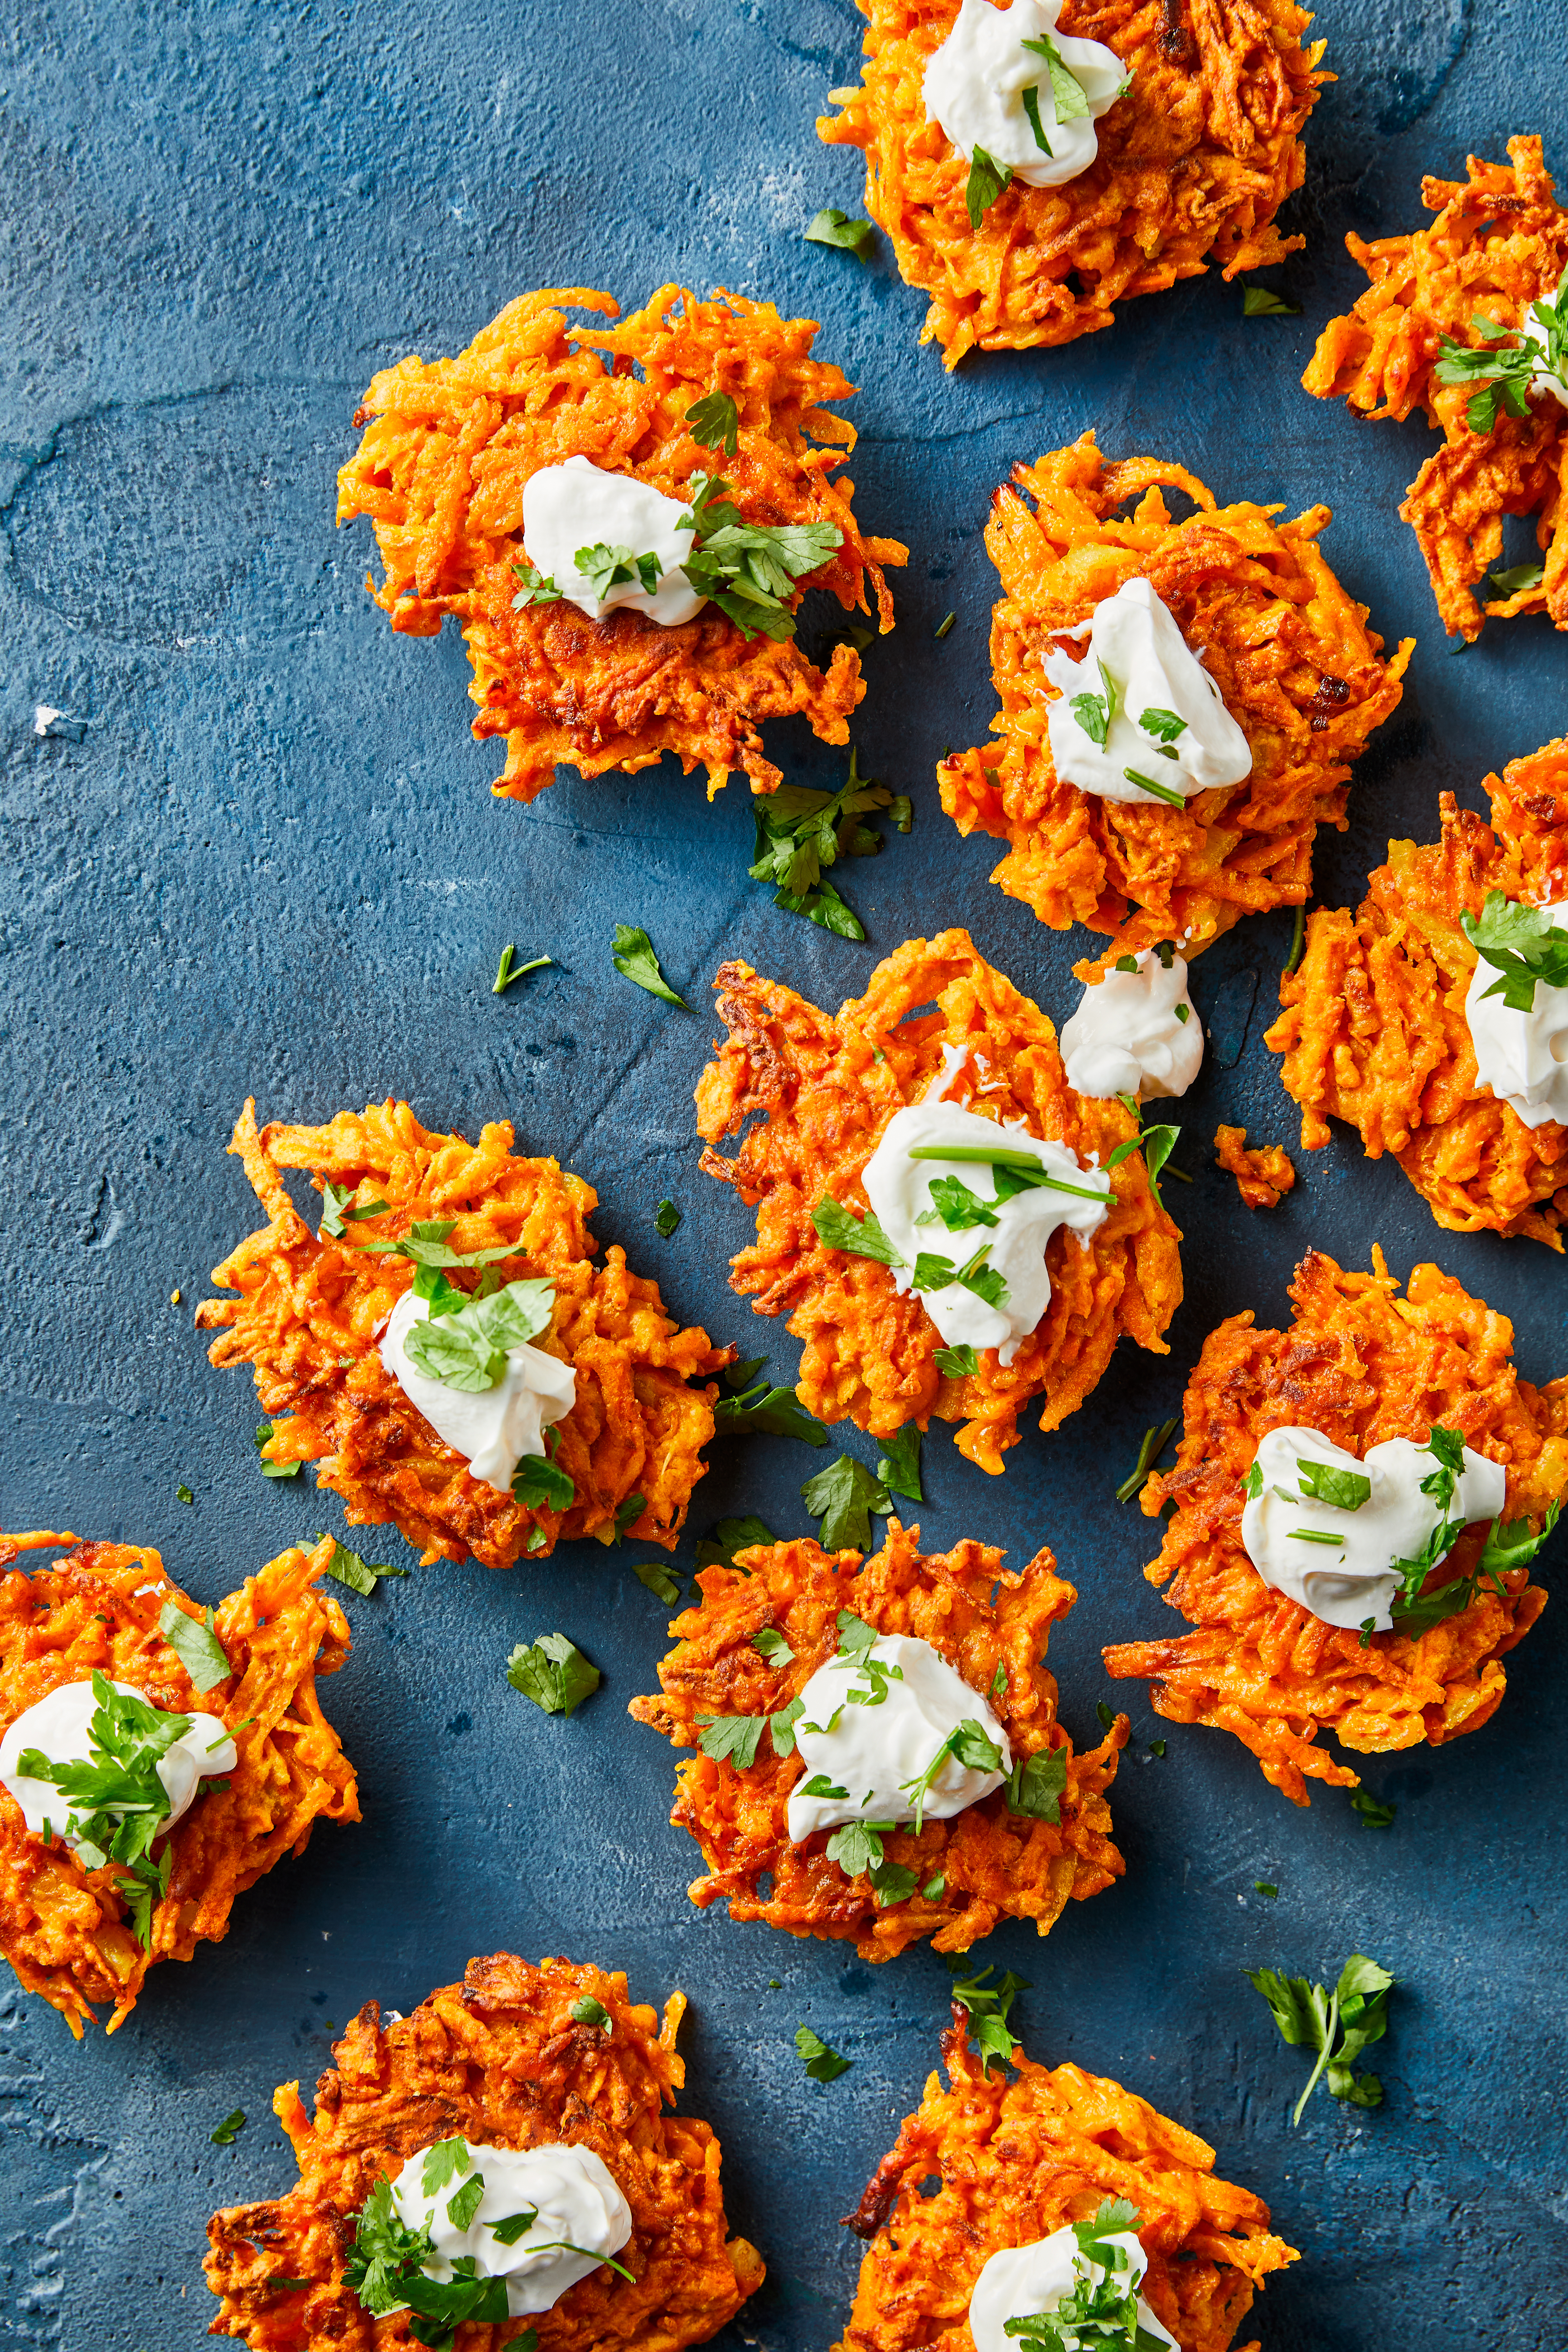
[1133, 637]
[872, 1752]
[900, 1192]
[1544, 379]
[974, 87]
[578, 505]
[494, 1428]
[1024, 2280]
[1522, 1056]
[1346, 1586]
[58, 1727]
[1135, 1033]
[576, 2197]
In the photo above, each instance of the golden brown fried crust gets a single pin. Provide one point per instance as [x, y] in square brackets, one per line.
[1290, 651]
[500, 2061]
[1194, 160]
[310, 1308]
[828, 1087]
[1263, 1177]
[441, 471]
[1500, 242]
[66, 1929]
[994, 1864]
[1362, 1365]
[1021, 2158]
[1373, 1029]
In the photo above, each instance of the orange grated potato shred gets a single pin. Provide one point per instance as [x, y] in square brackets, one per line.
[1374, 1028]
[1264, 1176]
[1499, 243]
[66, 1929]
[1360, 1364]
[996, 1864]
[441, 469]
[1193, 161]
[499, 2061]
[309, 1309]
[1288, 649]
[1018, 2158]
[827, 1086]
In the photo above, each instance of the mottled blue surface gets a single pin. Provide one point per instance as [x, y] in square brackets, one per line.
[260, 856]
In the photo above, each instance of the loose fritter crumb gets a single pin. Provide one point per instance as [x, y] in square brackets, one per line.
[828, 1085]
[499, 2060]
[1017, 2158]
[1373, 1029]
[441, 470]
[1194, 159]
[1500, 242]
[1288, 649]
[66, 1929]
[1264, 1176]
[310, 1311]
[994, 1864]
[1362, 1365]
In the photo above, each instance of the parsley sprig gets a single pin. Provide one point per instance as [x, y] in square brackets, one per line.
[801, 831]
[465, 1342]
[749, 569]
[1522, 944]
[987, 2006]
[1339, 2027]
[1156, 1144]
[1502, 367]
[969, 1746]
[1096, 2311]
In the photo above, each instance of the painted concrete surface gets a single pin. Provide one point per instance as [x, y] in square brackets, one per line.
[257, 854]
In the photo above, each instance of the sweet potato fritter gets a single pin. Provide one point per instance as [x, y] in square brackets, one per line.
[1021, 2158]
[66, 1929]
[1373, 1029]
[1360, 1364]
[441, 470]
[499, 2060]
[1499, 243]
[1195, 159]
[995, 1864]
[1288, 649]
[828, 1087]
[310, 1310]
[1263, 1177]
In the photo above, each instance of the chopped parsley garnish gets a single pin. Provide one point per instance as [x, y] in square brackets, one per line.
[1517, 580]
[1504, 374]
[540, 1484]
[1345, 1490]
[1093, 2312]
[715, 422]
[748, 568]
[515, 2226]
[506, 972]
[1523, 944]
[969, 1746]
[839, 1228]
[1107, 1715]
[184, 1495]
[957, 1363]
[346, 1566]
[464, 2203]
[1094, 712]
[1338, 2027]
[116, 1805]
[1508, 1544]
[733, 1738]
[335, 1208]
[986, 181]
[987, 2006]
[1252, 1485]
[1036, 1785]
[1258, 302]
[554, 1673]
[1266, 1886]
[1015, 1171]
[229, 2131]
[386, 2268]
[831, 226]
[1374, 1815]
[934, 1272]
[899, 1462]
[765, 1410]
[955, 1206]
[465, 1342]
[658, 1580]
[1031, 97]
[588, 2012]
[843, 1496]
[666, 1218]
[1154, 1442]
[194, 1643]
[1165, 725]
[628, 1514]
[1069, 96]
[823, 2065]
[535, 588]
[857, 1847]
[633, 957]
[1166, 793]
[1298, 937]
[1156, 1747]
[717, 1548]
[800, 832]
[603, 568]
[773, 1645]
[265, 1430]
[1156, 1143]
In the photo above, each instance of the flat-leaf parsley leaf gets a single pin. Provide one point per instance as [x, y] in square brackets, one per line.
[552, 1672]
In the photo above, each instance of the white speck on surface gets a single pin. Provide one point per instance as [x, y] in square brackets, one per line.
[44, 717]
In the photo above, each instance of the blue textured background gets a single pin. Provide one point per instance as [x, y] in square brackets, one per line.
[260, 856]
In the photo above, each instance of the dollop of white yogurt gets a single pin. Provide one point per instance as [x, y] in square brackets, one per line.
[1544, 378]
[1522, 1056]
[576, 2197]
[493, 1428]
[1346, 1584]
[578, 505]
[900, 1192]
[974, 87]
[1024, 2280]
[1169, 722]
[1136, 1033]
[58, 1727]
[872, 1752]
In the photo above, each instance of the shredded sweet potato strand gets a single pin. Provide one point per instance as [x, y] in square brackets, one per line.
[1263, 1176]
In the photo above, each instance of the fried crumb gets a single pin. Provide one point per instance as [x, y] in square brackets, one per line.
[1264, 1176]
[1291, 652]
[441, 469]
[828, 1085]
[499, 2060]
[66, 1929]
[1374, 1028]
[1360, 1364]
[993, 1864]
[310, 1310]
[1193, 162]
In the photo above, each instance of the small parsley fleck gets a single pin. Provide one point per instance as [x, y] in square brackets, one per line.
[666, 1218]
[823, 2065]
